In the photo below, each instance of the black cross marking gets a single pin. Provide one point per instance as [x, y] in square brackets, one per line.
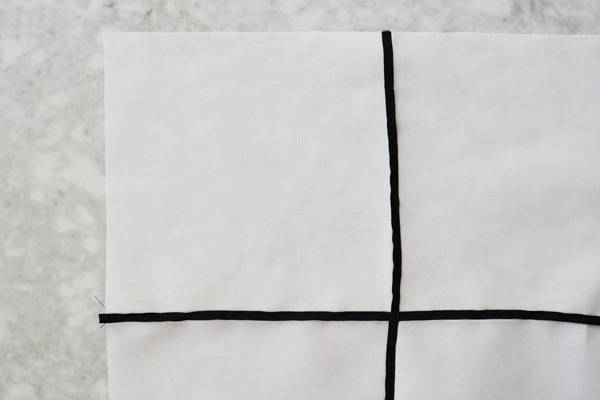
[394, 316]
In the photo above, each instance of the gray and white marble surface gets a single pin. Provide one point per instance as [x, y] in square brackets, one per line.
[52, 219]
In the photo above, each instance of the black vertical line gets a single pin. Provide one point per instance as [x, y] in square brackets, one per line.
[390, 105]
[390, 108]
[390, 360]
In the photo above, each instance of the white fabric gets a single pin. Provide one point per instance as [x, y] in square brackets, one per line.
[250, 172]
[497, 360]
[246, 171]
[499, 154]
[233, 360]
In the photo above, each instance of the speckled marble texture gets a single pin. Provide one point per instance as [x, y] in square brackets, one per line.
[51, 150]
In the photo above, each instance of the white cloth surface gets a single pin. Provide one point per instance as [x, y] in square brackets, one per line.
[497, 360]
[246, 171]
[231, 360]
[250, 172]
[499, 163]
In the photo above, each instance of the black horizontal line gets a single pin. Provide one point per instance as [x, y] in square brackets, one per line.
[555, 316]
[430, 315]
[248, 316]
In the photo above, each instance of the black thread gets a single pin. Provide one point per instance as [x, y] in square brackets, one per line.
[402, 316]
[248, 316]
[555, 316]
[390, 109]
[390, 359]
[390, 105]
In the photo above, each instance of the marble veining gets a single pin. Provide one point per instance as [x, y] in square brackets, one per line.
[52, 225]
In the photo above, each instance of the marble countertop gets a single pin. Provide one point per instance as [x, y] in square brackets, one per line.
[52, 216]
